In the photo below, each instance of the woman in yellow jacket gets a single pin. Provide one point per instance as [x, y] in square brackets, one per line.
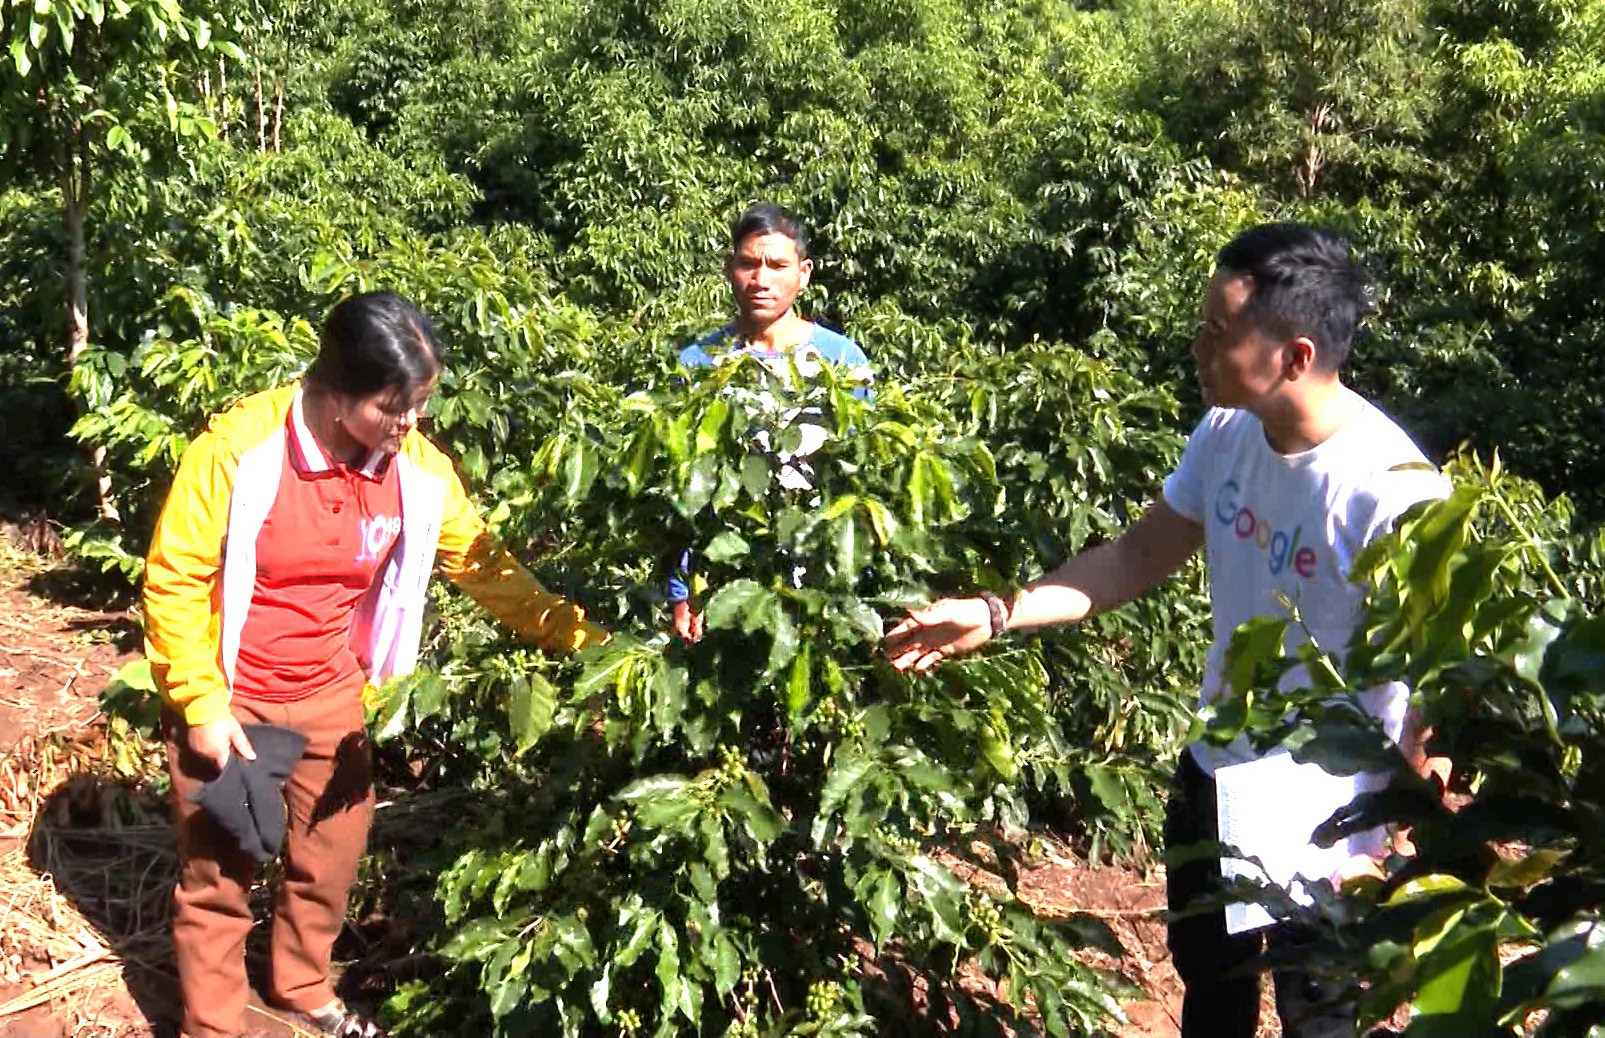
[287, 572]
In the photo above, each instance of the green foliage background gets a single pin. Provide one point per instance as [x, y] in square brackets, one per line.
[979, 176]
[1015, 205]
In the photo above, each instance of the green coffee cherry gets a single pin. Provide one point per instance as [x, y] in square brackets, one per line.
[823, 998]
[898, 842]
[986, 917]
[732, 766]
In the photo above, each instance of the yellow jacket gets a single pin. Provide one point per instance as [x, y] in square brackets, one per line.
[201, 571]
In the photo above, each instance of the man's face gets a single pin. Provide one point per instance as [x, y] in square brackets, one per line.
[766, 273]
[1238, 366]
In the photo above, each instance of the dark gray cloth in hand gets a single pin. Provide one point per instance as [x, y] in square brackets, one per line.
[247, 799]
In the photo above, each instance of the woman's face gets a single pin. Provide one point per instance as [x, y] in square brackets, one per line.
[381, 421]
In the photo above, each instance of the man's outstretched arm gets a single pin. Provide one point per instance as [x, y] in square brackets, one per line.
[1101, 578]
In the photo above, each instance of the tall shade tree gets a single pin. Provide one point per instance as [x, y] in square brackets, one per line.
[87, 86]
[1308, 98]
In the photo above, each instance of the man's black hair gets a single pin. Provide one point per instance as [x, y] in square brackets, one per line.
[373, 342]
[1307, 282]
[762, 218]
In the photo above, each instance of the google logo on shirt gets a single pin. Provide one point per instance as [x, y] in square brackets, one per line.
[1281, 550]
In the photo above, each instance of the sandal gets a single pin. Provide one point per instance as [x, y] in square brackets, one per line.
[340, 1021]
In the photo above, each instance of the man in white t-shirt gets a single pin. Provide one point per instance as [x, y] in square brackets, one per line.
[1289, 474]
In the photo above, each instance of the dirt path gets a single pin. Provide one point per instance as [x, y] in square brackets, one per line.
[56, 651]
[60, 644]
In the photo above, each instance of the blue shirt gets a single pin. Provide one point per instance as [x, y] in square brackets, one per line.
[826, 344]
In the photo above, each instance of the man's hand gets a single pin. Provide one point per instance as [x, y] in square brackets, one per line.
[216, 739]
[1104, 577]
[687, 622]
[1358, 866]
[1439, 768]
[950, 627]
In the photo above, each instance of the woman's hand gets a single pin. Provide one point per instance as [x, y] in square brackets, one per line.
[214, 740]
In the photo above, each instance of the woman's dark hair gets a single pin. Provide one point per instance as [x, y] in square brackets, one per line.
[763, 218]
[373, 342]
[1307, 282]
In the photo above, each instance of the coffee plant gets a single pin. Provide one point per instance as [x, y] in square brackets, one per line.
[767, 832]
[1079, 450]
[1488, 605]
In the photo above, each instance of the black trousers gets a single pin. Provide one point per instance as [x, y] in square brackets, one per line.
[1222, 991]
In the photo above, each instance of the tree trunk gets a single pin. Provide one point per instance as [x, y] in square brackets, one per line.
[261, 111]
[278, 113]
[75, 200]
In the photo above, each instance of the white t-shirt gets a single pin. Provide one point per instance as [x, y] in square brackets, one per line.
[1290, 525]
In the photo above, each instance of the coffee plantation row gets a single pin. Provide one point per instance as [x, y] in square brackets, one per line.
[1014, 207]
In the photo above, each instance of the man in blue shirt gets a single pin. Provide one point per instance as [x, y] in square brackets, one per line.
[767, 267]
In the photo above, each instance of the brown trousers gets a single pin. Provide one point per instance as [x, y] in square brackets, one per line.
[329, 797]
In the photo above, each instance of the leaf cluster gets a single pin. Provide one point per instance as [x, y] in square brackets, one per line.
[764, 833]
[1487, 605]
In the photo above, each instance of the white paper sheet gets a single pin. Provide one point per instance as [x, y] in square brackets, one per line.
[1267, 809]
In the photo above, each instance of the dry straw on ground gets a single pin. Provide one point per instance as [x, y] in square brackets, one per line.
[81, 899]
[85, 899]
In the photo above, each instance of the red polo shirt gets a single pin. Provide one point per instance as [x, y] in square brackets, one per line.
[330, 529]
